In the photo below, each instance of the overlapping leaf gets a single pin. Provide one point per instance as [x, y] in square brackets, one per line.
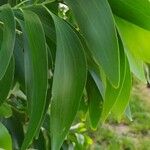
[124, 94]
[68, 83]
[111, 93]
[135, 11]
[131, 35]
[5, 138]
[19, 61]
[6, 81]
[36, 67]
[96, 24]
[7, 45]
[95, 102]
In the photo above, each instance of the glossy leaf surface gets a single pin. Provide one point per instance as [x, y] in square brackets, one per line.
[68, 83]
[96, 23]
[36, 66]
[5, 138]
[7, 45]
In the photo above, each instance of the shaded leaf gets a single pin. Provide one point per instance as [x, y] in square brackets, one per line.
[6, 81]
[19, 61]
[15, 128]
[95, 101]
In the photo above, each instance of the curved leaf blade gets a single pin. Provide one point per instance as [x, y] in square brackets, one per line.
[96, 23]
[135, 11]
[112, 93]
[95, 102]
[5, 138]
[36, 67]
[7, 45]
[6, 81]
[131, 35]
[124, 95]
[70, 72]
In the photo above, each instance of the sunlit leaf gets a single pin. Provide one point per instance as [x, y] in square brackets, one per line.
[135, 11]
[5, 138]
[68, 83]
[97, 27]
[131, 35]
[36, 66]
[128, 113]
[124, 94]
[5, 110]
[112, 93]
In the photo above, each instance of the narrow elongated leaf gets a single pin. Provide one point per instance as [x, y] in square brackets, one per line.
[7, 45]
[97, 26]
[135, 11]
[6, 81]
[98, 81]
[68, 83]
[19, 61]
[112, 93]
[95, 101]
[128, 113]
[36, 67]
[47, 22]
[15, 128]
[5, 138]
[136, 65]
[124, 94]
[5, 111]
[131, 35]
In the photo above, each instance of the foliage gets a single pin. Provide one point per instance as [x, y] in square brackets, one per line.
[126, 134]
[59, 58]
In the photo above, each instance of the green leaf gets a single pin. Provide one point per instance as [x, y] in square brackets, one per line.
[36, 66]
[135, 11]
[47, 22]
[7, 45]
[136, 65]
[15, 128]
[68, 83]
[124, 94]
[5, 138]
[111, 92]
[19, 61]
[6, 82]
[95, 101]
[131, 35]
[128, 113]
[5, 111]
[96, 24]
